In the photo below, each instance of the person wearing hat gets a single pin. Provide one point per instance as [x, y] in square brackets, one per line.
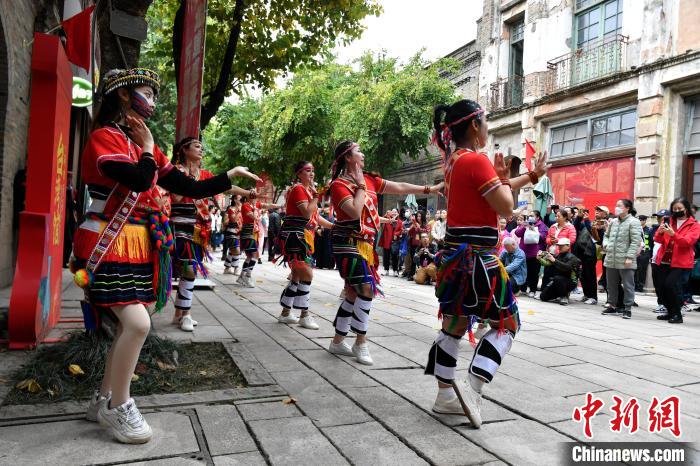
[644, 255]
[122, 248]
[564, 272]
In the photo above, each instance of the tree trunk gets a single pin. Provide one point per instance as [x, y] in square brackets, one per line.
[177, 41]
[110, 55]
[217, 96]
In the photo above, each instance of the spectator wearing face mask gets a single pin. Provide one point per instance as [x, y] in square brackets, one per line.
[675, 258]
[424, 259]
[514, 260]
[561, 229]
[533, 236]
[621, 244]
[564, 270]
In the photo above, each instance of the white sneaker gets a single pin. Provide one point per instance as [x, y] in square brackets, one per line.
[660, 309]
[308, 322]
[361, 353]
[186, 324]
[126, 422]
[472, 400]
[236, 270]
[177, 320]
[228, 271]
[96, 402]
[341, 349]
[591, 301]
[531, 294]
[447, 406]
[288, 319]
[248, 282]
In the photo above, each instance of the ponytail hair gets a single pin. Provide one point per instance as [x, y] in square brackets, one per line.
[455, 122]
[630, 205]
[339, 154]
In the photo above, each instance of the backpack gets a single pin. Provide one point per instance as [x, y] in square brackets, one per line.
[584, 245]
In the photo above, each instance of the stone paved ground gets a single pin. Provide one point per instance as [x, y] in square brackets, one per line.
[349, 413]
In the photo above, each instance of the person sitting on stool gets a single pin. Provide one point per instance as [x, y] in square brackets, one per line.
[565, 272]
[515, 262]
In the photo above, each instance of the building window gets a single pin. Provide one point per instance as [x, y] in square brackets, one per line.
[603, 21]
[692, 141]
[598, 132]
[691, 148]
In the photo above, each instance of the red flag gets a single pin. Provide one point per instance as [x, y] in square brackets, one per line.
[529, 153]
[78, 37]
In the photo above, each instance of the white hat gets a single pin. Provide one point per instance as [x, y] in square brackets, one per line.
[563, 242]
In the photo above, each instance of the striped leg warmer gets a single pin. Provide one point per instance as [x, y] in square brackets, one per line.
[185, 290]
[360, 315]
[489, 353]
[231, 261]
[248, 267]
[343, 317]
[301, 300]
[288, 294]
[442, 358]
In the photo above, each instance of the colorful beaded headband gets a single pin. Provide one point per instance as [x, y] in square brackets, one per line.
[446, 133]
[115, 79]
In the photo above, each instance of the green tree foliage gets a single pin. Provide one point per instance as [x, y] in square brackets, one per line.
[383, 106]
[276, 37]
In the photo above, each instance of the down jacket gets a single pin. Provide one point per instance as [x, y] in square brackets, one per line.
[622, 242]
[683, 243]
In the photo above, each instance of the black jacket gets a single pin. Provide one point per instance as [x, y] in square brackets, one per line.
[274, 224]
[567, 265]
[427, 254]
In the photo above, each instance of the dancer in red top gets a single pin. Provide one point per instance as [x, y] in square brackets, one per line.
[249, 219]
[297, 245]
[354, 198]
[232, 228]
[472, 284]
[192, 227]
[122, 248]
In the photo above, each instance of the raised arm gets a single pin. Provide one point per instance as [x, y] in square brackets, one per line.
[395, 187]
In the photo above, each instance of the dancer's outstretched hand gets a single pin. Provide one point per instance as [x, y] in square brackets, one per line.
[242, 171]
[541, 165]
[502, 168]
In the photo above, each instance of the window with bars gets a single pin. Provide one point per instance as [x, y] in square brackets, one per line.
[517, 31]
[598, 132]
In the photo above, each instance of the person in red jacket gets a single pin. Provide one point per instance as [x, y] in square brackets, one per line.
[677, 236]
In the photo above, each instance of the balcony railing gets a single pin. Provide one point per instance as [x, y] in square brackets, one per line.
[506, 93]
[599, 59]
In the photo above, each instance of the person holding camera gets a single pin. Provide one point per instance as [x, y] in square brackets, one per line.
[621, 244]
[598, 230]
[564, 271]
[424, 260]
[533, 239]
[677, 236]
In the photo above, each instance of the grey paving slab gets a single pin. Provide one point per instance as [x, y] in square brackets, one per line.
[371, 444]
[287, 337]
[539, 356]
[210, 333]
[295, 441]
[527, 399]
[240, 459]
[692, 388]
[547, 378]
[521, 442]
[318, 400]
[629, 366]
[83, 442]
[224, 430]
[634, 386]
[438, 442]
[410, 348]
[539, 340]
[335, 369]
[418, 331]
[268, 410]
[617, 347]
